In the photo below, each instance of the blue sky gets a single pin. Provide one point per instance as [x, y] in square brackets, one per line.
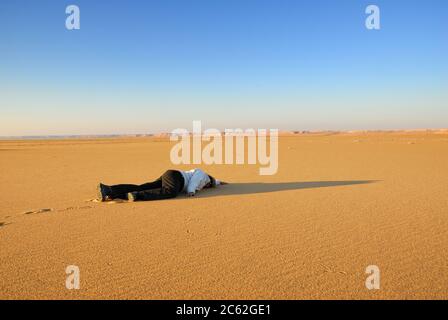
[150, 66]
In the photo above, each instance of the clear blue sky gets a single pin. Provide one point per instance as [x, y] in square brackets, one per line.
[149, 66]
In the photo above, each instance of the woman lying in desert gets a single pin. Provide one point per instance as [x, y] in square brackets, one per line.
[169, 185]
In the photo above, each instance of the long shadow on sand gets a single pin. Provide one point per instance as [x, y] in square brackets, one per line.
[252, 188]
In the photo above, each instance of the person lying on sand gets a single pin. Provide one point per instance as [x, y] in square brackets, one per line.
[169, 185]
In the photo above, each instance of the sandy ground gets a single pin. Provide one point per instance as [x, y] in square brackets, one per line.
[338, 204]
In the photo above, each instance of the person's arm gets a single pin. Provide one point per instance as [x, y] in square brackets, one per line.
[198, 180]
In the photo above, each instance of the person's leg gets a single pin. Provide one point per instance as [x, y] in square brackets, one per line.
[172, 185]
[120, 191]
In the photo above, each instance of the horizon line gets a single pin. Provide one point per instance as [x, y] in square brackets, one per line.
[166, 133]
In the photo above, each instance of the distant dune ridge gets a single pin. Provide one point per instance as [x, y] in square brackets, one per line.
[168, 134]
[340, 202]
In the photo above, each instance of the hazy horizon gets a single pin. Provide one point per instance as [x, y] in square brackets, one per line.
[138, 68]
[124, 134]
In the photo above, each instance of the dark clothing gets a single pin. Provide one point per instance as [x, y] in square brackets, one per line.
[169, 185]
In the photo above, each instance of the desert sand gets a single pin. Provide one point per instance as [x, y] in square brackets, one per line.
[339, 203]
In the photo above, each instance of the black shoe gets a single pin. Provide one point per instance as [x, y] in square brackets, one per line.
[132, 196]
[103, 192]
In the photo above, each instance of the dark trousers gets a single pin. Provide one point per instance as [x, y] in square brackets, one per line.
[169, 185]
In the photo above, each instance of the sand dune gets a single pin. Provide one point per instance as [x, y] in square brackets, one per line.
[339, 203]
